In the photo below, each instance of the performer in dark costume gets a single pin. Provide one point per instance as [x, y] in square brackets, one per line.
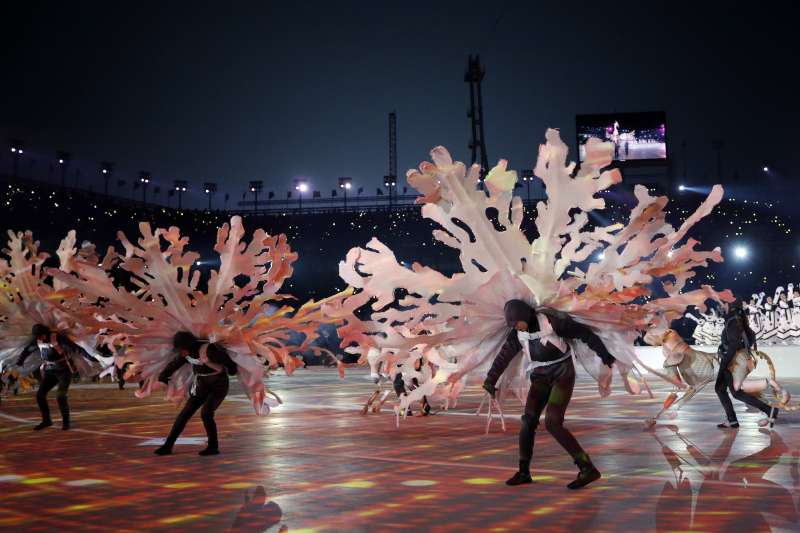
[552, 382]
[211, 366]
[736, 336]
[56, 369]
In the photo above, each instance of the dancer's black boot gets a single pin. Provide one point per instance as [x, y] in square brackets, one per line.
[588, 473]
[523, 475]
[63, 406]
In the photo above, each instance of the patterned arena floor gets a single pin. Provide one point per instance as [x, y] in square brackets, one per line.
[316, 464]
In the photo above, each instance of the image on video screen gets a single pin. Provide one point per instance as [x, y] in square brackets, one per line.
[636, 136]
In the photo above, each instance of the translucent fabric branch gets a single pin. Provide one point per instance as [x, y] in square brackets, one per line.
[237, 310]
[455, 322]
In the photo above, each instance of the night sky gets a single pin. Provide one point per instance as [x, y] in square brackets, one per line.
[231, 92]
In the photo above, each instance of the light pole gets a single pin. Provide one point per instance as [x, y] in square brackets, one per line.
[210, 189]
[345, 184]
[527, 178]
[390, 182]
[106, 170]
[180, 187]
[144, 179]
[17, 150]
[256, 187]
[63, 162]
[301, 186]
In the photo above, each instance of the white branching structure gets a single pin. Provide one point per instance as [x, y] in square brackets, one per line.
[240, 308]
[29, 296]
[455, 323]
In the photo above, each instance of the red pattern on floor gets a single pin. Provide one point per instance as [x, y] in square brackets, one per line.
[316, 464]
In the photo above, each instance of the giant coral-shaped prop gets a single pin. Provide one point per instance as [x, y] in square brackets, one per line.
[455, 323]
[240, 308]
[29, 296]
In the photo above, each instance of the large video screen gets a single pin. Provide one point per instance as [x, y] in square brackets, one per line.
[636, 136]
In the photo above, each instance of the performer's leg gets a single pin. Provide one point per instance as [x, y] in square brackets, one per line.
[120, 377]
[725, 381]
[64, 379]
[193, 403]
[217, 393]
[557, 404]
[49, 380]
[752, 401]
[534, 405]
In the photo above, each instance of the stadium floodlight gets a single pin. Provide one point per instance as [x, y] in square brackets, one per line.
[181, 186]
[210, 189]
[63, 160]
[345, 183]
[144, 179]
[301, 186]
[256, 186]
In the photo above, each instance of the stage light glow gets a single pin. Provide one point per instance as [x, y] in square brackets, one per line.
[681, 187]
[765, 169]
[740, 252]
[302, 187]
[60, 161]
[14, 149]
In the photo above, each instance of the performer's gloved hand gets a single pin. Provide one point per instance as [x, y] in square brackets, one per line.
[490, 388]
[609, 360]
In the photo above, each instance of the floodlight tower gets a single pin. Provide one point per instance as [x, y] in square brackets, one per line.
[256, 187]
[474, 76]
[106, 169]
[345, 184]
[210, 188]
[17, 149]
[63, 162]
[181, 186]
[301, 186]
[144, 179]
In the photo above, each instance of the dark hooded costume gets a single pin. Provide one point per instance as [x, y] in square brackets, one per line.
[552, 382]
[209, 390]
[736, 336]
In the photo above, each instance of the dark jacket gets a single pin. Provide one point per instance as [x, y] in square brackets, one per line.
[563, 326]
[50, 355]
[216, 354]
[736, 335]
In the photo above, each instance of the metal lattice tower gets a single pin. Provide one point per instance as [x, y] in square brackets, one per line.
[393, 145]
[474, 76]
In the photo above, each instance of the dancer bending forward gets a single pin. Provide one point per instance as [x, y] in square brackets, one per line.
[541, 335]
[211, 365]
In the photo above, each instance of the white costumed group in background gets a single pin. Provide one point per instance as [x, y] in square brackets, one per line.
[517, 318]
[774, 319]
